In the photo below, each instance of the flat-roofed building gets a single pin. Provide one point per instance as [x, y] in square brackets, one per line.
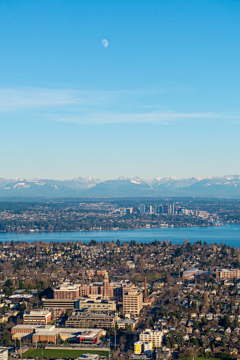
[132, 302]
[37, 317]
[92, 319]
[97, 304]
[153, 336]
[17, 298]
[22, 331]
[138, 347]
[227, 274]
[49, 333]
[123, 323]
[67, 291]
[49, 304]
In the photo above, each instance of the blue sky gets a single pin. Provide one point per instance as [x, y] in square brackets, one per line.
[161, 100]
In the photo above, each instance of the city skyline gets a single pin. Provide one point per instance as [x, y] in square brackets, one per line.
[119, 88]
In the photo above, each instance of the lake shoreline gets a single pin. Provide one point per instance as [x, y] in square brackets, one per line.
[228, 234]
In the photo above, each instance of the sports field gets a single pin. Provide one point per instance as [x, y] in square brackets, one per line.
[57, 354]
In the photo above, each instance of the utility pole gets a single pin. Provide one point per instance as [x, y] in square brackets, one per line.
[21, 348]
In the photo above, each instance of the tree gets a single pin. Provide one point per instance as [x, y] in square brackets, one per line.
[235, 323]
[5, 339]
[204, 321]
[225, 321]
[23, 306]
[8, 283]
[195, 325]
[59, 339]
[205, 299]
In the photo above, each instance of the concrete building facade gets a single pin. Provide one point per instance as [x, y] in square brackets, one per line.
[132, 302]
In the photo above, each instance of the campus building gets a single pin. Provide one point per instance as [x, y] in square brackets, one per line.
[105, 289]
[67, 291]
[92, 319]
[50, 334]
[37, 317]
[49, 304]
[97, 304]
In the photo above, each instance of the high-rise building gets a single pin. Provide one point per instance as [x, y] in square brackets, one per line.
[160, 209]
[165, 209]
[129, 210]
[142, 209]
[150, 209]
[156, 209]
[173, 210]
[132, 302]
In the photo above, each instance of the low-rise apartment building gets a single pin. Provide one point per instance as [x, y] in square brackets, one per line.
[154, 336]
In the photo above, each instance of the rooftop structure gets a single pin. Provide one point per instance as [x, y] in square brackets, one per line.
[92, 319]
[49, 333]
[97, 304]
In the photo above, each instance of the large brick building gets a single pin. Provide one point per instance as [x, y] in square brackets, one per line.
[67, 291]
[37, 317]
[107, 290]
[50, 334]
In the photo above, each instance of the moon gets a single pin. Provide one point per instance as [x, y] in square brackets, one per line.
[104, 43]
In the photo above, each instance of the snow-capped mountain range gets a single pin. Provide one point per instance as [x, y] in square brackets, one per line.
[226, 186]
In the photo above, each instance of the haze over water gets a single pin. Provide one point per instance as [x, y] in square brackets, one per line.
[229, 235]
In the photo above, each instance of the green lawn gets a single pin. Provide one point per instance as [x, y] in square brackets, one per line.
[66, 354]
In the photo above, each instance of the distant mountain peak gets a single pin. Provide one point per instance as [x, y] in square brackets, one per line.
[123, 177]
[227, 186]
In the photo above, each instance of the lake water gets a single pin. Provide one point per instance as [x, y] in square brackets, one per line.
[228, 234]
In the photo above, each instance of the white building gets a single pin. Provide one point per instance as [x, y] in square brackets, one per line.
[153, 336]
[3, 354]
